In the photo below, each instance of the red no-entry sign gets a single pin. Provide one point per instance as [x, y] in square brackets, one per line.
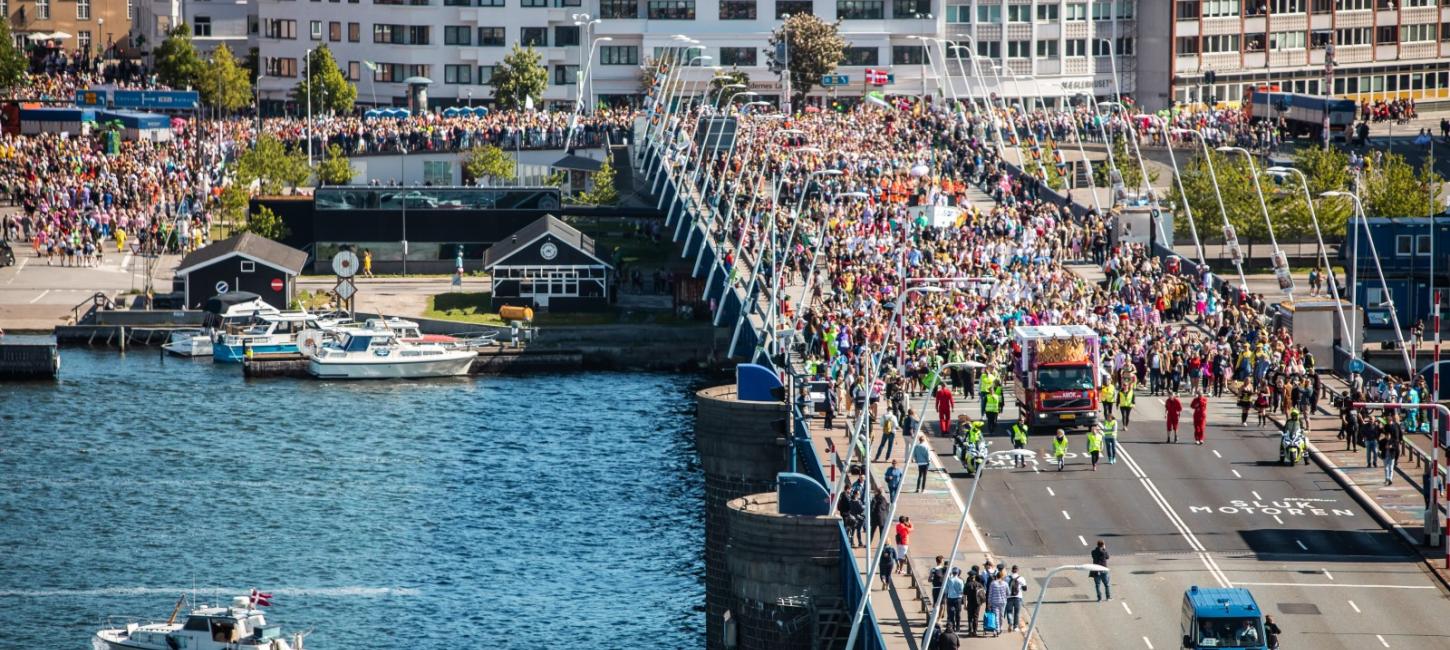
[277, 284]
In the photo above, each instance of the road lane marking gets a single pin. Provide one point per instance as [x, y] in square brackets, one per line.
[1051, 493]
[125, 261]
[1216, 454]
[1327, 574]
[18, 268]
[1150, 643]
[1354, 607]
[957, 498]
[1080, 539]
[1126, 609]
[1236, 473]
[1256, 495]
[1383, 642]
[1336, 584]
[1281, 521]
[1065, 515]
[37, 298]
[1173, 518]
[1301, 545]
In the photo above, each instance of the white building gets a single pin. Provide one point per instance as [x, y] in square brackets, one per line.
[210, 22]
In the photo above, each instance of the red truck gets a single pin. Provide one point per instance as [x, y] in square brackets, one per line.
[1056, 376]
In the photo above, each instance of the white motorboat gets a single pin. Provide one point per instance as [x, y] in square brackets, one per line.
[239, 626]
[362, 353]
[189, 343]
[266, 334]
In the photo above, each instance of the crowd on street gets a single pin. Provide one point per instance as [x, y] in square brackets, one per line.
[436, 133]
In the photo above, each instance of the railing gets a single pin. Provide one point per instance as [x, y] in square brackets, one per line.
[98, 300]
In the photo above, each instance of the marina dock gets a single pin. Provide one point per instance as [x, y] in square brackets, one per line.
[32, 356]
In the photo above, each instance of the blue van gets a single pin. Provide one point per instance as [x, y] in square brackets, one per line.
[1222, 618]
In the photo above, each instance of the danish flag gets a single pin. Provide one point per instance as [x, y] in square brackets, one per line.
[875, 77]
[260, 599]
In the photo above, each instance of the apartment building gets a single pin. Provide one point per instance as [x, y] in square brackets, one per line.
[210, 23]
[86, 26]
[1360, 49]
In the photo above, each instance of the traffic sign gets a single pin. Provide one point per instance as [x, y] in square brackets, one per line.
[1356, 365]
[345, 289]
[835, 80]
[344, 264]
[277, 284]
[221, 287]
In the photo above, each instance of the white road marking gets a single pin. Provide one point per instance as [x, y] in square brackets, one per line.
[1336, 584]
[1183, 529]
[1236, 473]
[1327, 574]
[957, 499]
[18, 268]
[37, 298]
[1354, 607]
[1256, 495]
[1150, 643]
[1065, 515]
[1281, 521]
[1126, 609]
[1301, 545]
[125, 261]
[1383, 642]
[1216, 454]
[1051, 493]
[1080, 539]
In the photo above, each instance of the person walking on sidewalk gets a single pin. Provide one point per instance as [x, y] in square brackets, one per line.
[903, 539]
[880, 510]
[1016, 589]
[1369, 438]
[976, 599]
[921, 455]
[1200, 417]
[1100, 578]
[1110, 440]
[893, 476]
[1059, 449]
[954, 590]
[1171, 408]
[1245, 402]
[888, 566]
[997, 601]
[888, 436]
[938, 579]
[1095, 444]
[1394, 439]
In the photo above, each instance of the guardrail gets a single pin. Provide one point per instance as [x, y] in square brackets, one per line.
[97, 300]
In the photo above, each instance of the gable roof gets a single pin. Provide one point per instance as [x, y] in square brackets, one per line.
[251, 246]
[575, 162]
[545, 225]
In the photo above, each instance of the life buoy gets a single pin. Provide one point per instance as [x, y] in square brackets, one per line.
[310, 345]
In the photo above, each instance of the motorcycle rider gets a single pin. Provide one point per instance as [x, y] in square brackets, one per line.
[1293, 437]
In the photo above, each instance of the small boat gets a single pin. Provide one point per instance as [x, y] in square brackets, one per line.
[239, 626]
[188, 343]
[363, 353]
[267, 334]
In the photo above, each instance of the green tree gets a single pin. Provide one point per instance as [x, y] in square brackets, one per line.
[1394, 189]
[224, 84]
[335, 169]
[814, 49]
[604, 192]
[330, 91]
[233, 206]
[1055, 178]
[1240, 202]
[518, 77]
[266, 223]
[177, 64]
[487, 162]
[1127, 163]
[12, 60]
[271, 166]
[1326, 170]
[733, 76]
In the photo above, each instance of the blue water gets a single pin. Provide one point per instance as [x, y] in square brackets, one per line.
[522, 512]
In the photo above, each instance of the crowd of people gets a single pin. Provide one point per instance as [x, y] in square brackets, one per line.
[433, 132]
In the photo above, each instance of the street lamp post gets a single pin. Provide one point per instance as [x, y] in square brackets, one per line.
[1259, 191]
[1389, 297]
[1282, 172]
[308, 63]
[1046, 582]
[1223, 210]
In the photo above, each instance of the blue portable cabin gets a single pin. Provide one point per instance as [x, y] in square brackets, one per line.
[1219, 618]
[1404, 245]
[38, 120]
[139, 125]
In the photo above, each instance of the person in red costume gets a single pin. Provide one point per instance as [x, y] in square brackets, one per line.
[944, 404]
[1200, 416]
[1172, 407]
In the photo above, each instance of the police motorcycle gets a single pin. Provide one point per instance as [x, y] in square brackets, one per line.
[1293, 444]
[970, 447]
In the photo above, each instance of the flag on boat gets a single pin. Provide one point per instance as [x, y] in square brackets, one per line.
[260, 599]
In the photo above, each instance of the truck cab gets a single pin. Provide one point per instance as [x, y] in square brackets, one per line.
[1222, 618]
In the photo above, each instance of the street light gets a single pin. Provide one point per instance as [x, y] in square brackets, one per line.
[1222, 209]
[1259, 190]
[1282, 172]
[1374, 253]
[775, 273]
[308, 62]
[1047, 582]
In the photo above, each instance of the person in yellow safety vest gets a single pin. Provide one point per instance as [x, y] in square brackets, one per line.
[1110, 439]
[1019, 441]
[1109, 397]
[1095, 445]
[1125, 402]
[1059, 449]
[988, 384]
[992, 407]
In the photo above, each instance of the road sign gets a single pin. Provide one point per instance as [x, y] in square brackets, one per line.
[835, 80]
[345, 289]
[1356, 365]
[277, 284]
[344, 264]
[221, 287]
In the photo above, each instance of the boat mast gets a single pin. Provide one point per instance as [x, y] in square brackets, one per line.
[176, 610]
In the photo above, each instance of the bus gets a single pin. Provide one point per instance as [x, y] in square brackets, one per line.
[1302, 114]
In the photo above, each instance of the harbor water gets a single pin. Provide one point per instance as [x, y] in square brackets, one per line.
[513, 512]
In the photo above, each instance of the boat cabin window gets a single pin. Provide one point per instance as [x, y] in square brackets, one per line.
[196, 623]
[357, 343]
[223, 631]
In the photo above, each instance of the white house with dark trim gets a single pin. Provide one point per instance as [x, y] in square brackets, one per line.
[245, 262]
[549, 264]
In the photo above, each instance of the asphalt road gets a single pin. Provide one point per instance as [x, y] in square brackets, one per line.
[1223, 514]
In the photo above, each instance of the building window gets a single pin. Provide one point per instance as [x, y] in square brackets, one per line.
[457, 3]
[248, 266]
[566, 36]
[438, 173]
[737, 9]
[671, 9]
[1220, 43]
[354, 71]
[991, 14]
[533, 3]
[490, 36]
[1186, 45]
[354, 32]
[1075, 47]
[1189, 10]
[618, 9]
[1019, 49]
[620, 55]
[1352, 36]
[1047, 49]
[1402, 244]
[315, 30]
[458, 74]
[1047, 13]
[280, 67]
[1422, 244]
[485, 75]
[1075, 12]
[687, 56]
[42, 9]
[1019, 14]
[1291, 6]
[1387, 34]
[566, 75]
[860, 9]
[83, 40]
[785, 8]
[989, 49]
[201, 26]
[737, 56]
[334, 31]
[860, 56]
[534, 36]
[1286, 41]
[907, 55]
[457, 35]
[400, 34]
[83, 9]
[130, 9]
[280, 28]
[1220, 8]
[959, 14]
[1418, 33]
[910, 9]
[490, 3]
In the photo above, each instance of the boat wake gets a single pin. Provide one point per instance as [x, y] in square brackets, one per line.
[324, 592]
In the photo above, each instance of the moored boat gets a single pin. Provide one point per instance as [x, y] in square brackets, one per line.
[188, 343]
[362, 353]
[238, 626]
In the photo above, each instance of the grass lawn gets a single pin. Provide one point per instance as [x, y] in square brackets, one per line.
[474, 308]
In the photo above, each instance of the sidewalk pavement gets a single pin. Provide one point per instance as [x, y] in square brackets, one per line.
[935, 514]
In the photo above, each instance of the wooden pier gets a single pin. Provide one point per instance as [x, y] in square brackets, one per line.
[28, 356]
